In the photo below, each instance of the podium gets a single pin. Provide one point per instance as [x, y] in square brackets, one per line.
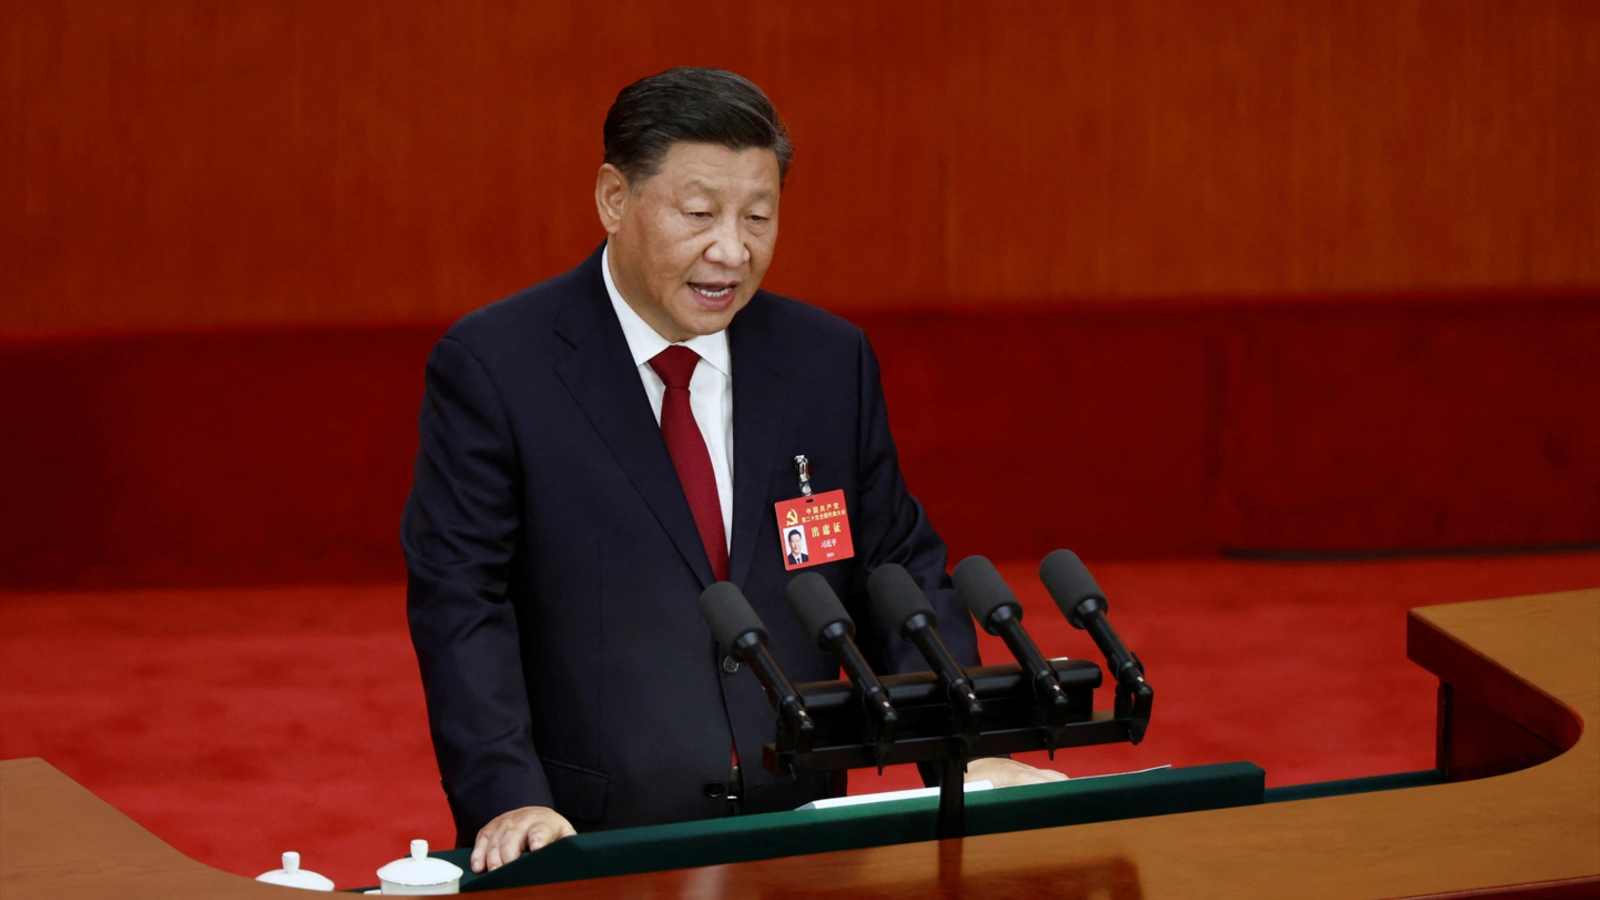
[715, 842]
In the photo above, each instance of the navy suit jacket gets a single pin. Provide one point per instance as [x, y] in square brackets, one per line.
[555, 568]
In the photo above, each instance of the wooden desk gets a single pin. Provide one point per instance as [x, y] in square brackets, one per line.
[1522, 677]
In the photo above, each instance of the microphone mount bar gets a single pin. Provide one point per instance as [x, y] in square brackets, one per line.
[1009, 703]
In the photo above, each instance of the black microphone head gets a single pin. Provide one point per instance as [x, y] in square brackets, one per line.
[1070, 583]
[727, 612]
[897, 597]
[984, 591]
[817, 605]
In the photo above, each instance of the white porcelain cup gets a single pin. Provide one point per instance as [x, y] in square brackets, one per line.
[420, 875]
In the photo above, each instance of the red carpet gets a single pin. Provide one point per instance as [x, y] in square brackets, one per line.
[239, 723]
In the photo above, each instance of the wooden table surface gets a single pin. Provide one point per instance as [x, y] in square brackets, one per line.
[1534, 660]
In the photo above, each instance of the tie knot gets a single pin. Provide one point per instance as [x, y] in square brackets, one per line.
[675, 365]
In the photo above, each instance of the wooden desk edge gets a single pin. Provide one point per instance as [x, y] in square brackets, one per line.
[1433, 647]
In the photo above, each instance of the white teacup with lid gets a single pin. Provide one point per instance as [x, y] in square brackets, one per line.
[291, 875]
[419, 874]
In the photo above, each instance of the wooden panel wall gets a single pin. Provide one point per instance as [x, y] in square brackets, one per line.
[238, 161]
[1241, 146]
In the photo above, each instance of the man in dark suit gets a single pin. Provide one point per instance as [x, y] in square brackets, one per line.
[598, 449]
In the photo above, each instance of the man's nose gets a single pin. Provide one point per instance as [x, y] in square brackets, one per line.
[727, 245]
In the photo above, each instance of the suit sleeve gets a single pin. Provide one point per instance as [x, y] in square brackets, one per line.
[459, 532]
[894, 528]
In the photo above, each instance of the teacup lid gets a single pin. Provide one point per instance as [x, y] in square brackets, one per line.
[291, 875]
[419, 869]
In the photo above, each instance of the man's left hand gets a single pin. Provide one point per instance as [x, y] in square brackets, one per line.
[1002, 772]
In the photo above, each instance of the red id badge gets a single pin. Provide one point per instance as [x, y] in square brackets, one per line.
[814, 530]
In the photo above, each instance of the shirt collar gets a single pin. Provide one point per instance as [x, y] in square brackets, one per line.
[644, 342]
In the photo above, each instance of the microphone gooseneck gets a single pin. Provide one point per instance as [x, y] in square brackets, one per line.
[1085, 606]
[741, 634]
[826, 620]
[997, 609]
[899, 600]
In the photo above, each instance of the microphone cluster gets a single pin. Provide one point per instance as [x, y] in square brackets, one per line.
[950, 712]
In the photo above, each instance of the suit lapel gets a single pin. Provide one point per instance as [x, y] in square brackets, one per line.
[759, 417]
[600, 375]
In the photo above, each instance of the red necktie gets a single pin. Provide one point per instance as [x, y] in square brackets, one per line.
[676, 365]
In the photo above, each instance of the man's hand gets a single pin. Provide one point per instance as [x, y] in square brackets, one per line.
[1003, 772]
[508, 834]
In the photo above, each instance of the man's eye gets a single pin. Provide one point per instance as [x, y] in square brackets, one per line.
[700, 215]
[758, 219]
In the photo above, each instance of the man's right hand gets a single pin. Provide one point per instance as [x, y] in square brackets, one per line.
[508, 834]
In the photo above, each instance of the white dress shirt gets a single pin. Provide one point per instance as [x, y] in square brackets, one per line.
[710, 389]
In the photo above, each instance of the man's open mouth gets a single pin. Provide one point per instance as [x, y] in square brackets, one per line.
[713, 290]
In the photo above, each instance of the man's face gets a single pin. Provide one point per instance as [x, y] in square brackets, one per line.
[690, 245]
[794, 544]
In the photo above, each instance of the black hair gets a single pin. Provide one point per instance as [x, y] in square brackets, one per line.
[795, 532]
[707, 106]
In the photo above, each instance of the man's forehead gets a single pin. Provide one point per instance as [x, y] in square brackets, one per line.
[715, 169]
[717, 186]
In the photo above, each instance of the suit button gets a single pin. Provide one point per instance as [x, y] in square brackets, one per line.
[730, 665]
[715, 790]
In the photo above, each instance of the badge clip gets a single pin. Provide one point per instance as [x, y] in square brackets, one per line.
[803, 467]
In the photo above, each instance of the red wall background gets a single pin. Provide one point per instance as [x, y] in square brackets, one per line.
[282, 455]
[1148, 278]
[246, 161]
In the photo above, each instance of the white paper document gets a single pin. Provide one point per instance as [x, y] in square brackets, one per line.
[1134, 772]
[836, 802]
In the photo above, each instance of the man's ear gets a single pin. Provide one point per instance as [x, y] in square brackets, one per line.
[611, 196]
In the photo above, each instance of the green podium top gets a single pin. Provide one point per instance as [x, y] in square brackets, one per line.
[711, 842]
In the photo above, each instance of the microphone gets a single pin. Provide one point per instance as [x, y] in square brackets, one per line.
[1085, 606]
[900, 601]
[825, 619]
[742, 635]
[997, 609]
